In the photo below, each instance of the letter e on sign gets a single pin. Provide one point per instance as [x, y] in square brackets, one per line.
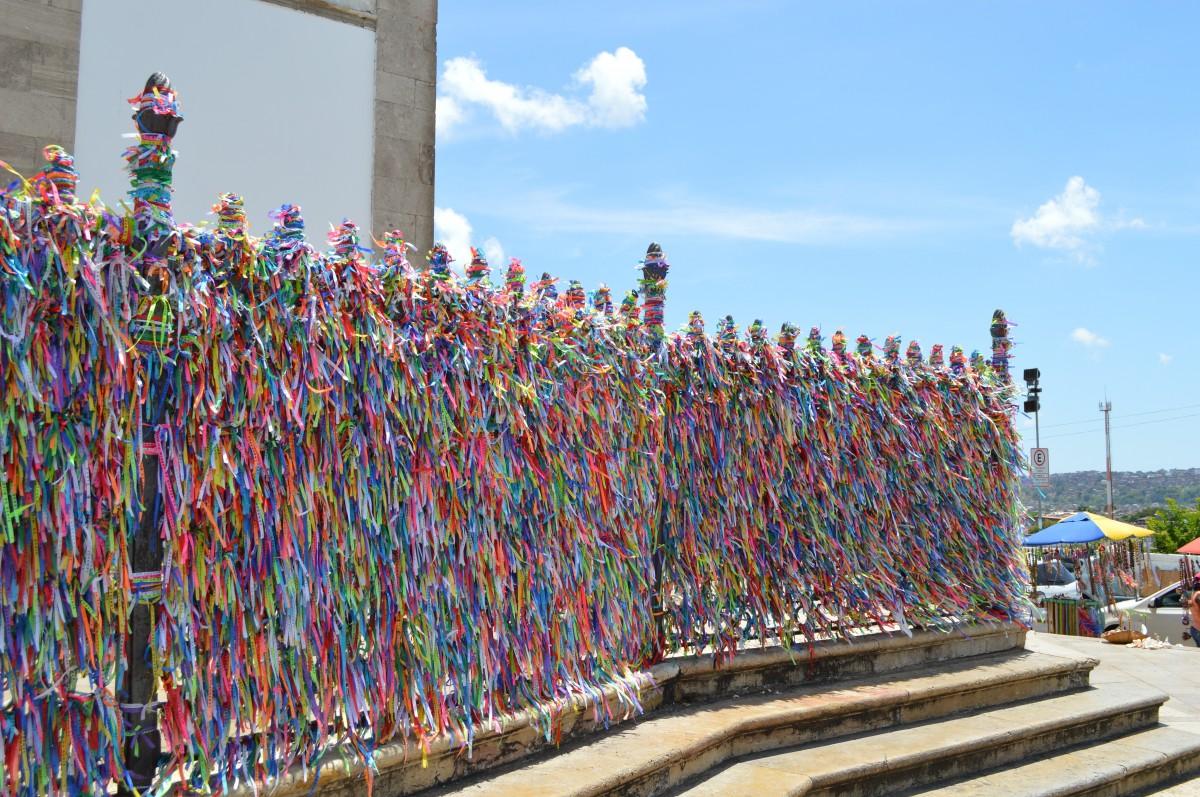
[1039, 466]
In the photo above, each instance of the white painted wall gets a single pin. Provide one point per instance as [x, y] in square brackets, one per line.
[277, 104]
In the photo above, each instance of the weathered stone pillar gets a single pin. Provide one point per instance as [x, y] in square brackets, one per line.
[39, 79]
[405, 93]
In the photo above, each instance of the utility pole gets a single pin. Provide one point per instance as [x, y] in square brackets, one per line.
[1106, 408]
[1033, 404]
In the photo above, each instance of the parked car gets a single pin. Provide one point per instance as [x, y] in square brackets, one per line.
[1058, 579]
[1055, 580]
[1160, 613]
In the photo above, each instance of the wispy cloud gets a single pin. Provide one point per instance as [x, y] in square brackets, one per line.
[704, 219]
[1089, 339]
[1064, 222]
[1136, 223]
[1164, 359]
[613, 82]
[1071, 222]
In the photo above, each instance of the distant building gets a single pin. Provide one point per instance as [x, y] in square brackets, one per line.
[1050, 518]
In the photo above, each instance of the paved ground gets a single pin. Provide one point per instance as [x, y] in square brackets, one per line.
[1175, 671]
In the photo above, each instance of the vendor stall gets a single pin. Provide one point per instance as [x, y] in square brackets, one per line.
[1093, 561]
[1188, 569]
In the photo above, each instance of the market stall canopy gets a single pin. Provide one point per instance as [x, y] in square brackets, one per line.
[1192, 547]
[1085, 527]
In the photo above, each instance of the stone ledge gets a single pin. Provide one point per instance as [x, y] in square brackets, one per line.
[692, 678]
[338, 12]
[681, 679]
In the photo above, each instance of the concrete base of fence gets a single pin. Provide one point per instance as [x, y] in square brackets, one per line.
[403, 769]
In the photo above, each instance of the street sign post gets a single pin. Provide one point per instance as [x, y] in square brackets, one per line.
[1039, 466]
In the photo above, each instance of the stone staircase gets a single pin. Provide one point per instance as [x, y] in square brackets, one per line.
[1008, 722]
[1129, 764]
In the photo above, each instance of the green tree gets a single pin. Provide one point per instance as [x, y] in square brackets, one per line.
[1142, 514]
[1174, 526]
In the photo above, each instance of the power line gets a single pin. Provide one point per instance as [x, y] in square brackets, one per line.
[1074, 423]
[1101, 420]
[1160, 420]
[1156, 412]
[1127, 425]
[1071, 434]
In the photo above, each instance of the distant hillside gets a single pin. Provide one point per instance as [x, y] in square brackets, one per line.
[1133, 490]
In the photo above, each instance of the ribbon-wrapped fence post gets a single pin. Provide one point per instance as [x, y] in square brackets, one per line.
[154, 245]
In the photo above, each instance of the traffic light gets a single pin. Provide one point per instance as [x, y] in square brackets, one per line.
[1032, 393]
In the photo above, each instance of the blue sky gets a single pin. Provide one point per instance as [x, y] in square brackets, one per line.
[878, 167]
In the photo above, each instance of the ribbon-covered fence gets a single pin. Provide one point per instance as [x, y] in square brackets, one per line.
[399, 504]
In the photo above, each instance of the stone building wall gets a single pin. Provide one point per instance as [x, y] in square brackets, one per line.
[39, 77]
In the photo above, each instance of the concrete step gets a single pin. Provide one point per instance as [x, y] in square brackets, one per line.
[904, 758]
[659, 753]
[1128, 765]
[1186, 788]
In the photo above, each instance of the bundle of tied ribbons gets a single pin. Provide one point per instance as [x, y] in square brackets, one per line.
[399, 504]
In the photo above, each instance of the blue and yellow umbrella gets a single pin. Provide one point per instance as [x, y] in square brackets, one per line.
[1085, 527]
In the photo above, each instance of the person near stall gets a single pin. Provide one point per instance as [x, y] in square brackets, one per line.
[1191, 602]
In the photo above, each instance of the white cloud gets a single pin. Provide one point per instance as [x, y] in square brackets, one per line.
[494, 253]
[450, 114]
[514, 107]
[700, 218]
[1063, 222]
[615, 99]
[616, 79]
[1089, 338]
[1165, 359]
[453, 231]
